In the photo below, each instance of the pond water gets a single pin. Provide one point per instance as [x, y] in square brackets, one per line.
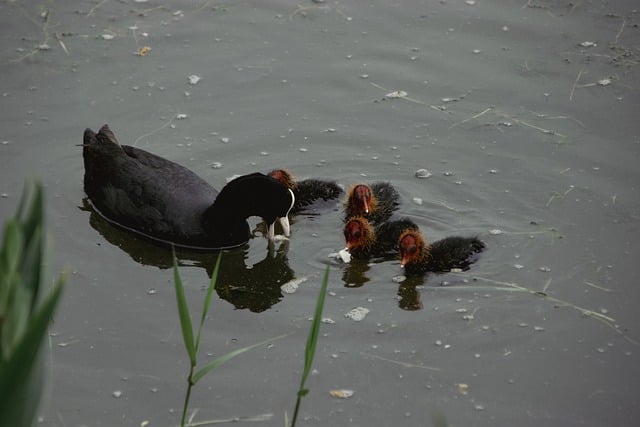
[526, 114]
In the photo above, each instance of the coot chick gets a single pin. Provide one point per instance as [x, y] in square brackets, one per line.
[376, 202]
[165, 202]
[307, 191]
[418, 256]
[364, 240]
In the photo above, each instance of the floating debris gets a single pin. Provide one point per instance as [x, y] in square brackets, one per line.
[588, 44]
[417, 200]
[423, 174]
[216, 165]
[328, 320]
[604, 82]
[292, 285]
[117, 394]
[193, 79]
[357, 314]
[143, 51]
[107, 36]
[463, 389]
[345, 256]
[341, 394]
[396, 94]
[44, 46]
[224, 140]
[495, 231]
[518, 266]
[181, 116]
[152, 291]
[399, 279]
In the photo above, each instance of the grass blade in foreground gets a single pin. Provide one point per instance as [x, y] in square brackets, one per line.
[183, 312]
[24, 312]
[226, 357]
[207, 298]
[187, 333]
[312, 340]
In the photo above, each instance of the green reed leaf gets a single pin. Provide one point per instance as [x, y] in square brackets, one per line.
[225, 358]
[16, 372]
[183, 312]
[207, 298]
[312, 339]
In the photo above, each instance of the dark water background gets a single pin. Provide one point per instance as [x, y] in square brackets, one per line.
[533, 140]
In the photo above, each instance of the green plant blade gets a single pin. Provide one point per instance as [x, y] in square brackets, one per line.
[207, 298]
[12, 247]
[312, 339]
[16, 373]
[34, 216]
[183, 312]
[225, 358]
[32, 263]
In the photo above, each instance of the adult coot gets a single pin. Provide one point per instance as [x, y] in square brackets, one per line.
[166, 202]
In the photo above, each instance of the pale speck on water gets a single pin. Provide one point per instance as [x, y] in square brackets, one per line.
[423, 174]
[357, 314]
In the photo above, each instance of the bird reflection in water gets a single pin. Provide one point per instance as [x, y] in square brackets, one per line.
[255, 287]
[355, 276]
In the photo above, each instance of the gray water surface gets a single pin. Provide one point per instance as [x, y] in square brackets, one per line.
[525, 112]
